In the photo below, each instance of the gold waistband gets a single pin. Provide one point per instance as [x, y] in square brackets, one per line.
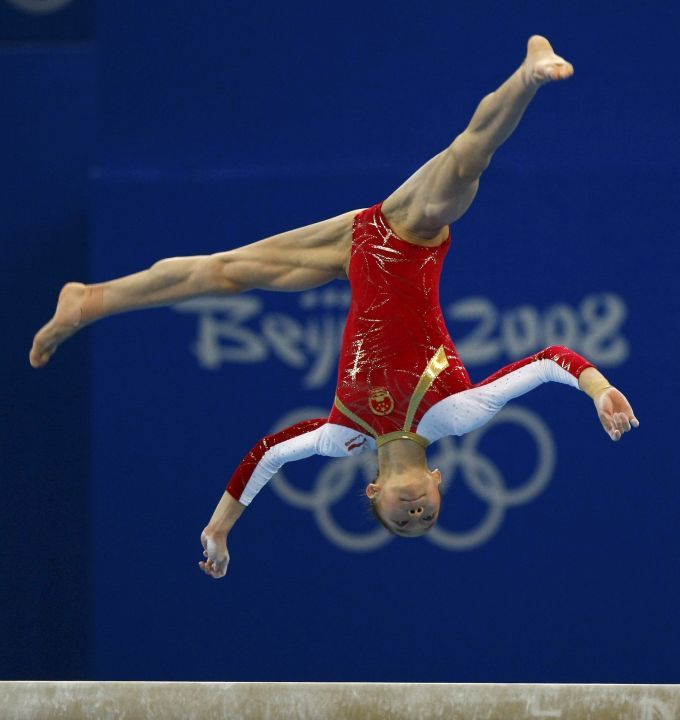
[401, 435]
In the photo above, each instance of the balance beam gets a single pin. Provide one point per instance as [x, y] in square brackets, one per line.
[334, 701]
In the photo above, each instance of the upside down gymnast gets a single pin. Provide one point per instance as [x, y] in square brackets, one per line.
[401, 384]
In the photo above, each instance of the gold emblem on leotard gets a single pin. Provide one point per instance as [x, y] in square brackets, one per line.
[380, 401]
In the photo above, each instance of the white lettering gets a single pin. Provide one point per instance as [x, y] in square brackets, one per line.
[593, 329]
[242, 329]
[221, 335]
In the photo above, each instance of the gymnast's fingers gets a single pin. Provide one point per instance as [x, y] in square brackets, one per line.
[206, 567]
[607, 423]
[622, 424]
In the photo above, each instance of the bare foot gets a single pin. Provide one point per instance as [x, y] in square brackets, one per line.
[69, 317]
[541, 65]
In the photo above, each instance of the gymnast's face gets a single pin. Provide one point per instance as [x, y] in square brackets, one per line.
[408, 503]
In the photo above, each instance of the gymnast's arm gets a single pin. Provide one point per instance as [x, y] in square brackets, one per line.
[299, 441]
[466, 411]
[214, 536]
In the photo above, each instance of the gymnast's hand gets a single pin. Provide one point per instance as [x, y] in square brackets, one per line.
[615, 412]
[216, 554]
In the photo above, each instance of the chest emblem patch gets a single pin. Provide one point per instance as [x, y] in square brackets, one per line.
[380, 401]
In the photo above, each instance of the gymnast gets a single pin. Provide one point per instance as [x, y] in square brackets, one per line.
[401, 385]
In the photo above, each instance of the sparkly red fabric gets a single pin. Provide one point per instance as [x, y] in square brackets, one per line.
[567, 359]
[243, 473]
[394, 328]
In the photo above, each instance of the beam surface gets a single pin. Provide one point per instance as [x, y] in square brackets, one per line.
[331, 701]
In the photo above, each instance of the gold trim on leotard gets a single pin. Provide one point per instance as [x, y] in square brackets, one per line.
[354, 417]
[402, 435]
[437, 364]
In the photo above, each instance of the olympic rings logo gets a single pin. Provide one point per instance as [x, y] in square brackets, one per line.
[39, 7]
[452, 456]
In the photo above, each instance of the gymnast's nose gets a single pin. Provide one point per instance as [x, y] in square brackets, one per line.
[416, 511]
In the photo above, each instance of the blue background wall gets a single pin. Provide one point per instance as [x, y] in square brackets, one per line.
[191, 129]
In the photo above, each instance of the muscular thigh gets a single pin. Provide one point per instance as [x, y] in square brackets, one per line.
[295, 260]
[436, 195]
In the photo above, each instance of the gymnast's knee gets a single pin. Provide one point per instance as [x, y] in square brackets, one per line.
[212, 275]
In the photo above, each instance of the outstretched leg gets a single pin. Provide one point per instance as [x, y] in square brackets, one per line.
[165, 282]
[295, 260]
[443, 189]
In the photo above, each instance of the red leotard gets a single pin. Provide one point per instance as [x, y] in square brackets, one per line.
[399, 374]
[394, 330]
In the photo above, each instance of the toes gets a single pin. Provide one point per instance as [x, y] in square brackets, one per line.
[567, 70]
[40, 353]
[35, 355]
[38, 360]
[560, 71]
[554, 68]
